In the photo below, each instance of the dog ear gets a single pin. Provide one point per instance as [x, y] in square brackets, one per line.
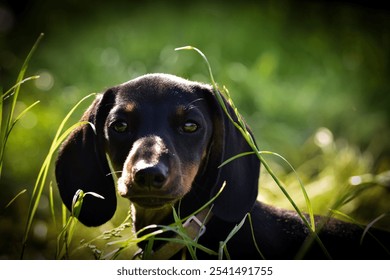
[82, 164]
[241, 174]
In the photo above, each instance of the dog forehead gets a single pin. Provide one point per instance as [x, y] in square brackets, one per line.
[160, 87]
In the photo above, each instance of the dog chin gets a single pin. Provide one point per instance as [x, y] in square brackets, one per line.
[152, 202]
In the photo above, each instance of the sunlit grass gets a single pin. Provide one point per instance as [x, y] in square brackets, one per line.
[7, 124]
[10, 120]
[41, 181]
[6, 129]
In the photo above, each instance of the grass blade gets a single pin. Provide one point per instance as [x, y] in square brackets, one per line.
[18, 118]
[15, 197]
[254, 237]
[20, 78]
[223, 244]
[307, 199]
[66, 234]
[366, 228]
[5, 128]
[51, 203]
[204, 58]
[10, 92]
[241, 126]
[235, 157]
[42, 175]
[371, 224]
[247, 136]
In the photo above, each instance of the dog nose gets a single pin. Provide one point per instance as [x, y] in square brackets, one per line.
[151, 177]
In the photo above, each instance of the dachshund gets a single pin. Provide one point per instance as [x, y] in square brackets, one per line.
[167, 138]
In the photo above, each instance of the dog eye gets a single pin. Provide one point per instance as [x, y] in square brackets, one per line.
[119, 126]
[190, 127]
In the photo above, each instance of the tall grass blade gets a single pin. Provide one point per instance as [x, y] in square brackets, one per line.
[1, 123]
[42, 175]
[245, 133]
[64, 212]
[241, 126]
[366, 228]
[40, 183]
[15, 197]
[182, 232]
[20, 79]
[5, 128]
[223, 244]
[18, 118]
[254, 237]
[5, 136]
[235, 157]
[51, 203]
[204, 58]
[307, 199]
[372, 223]
[66, 235]
[10, 92]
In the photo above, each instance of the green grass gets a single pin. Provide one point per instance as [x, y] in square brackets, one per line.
[8, 122]
[41, 180]
[117, 240]
[7, 126]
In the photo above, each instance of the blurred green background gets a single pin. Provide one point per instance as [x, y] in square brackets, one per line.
[311, 79]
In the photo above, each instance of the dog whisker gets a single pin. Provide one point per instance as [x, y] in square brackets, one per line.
[114, 172]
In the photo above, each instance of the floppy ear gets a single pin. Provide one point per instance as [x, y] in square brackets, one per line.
[241, 175]
[82, 164]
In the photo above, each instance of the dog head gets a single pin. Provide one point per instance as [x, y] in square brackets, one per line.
[165, 137]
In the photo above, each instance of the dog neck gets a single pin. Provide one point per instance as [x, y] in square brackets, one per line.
[145, 216]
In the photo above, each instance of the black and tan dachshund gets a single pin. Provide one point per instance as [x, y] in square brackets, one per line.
[166, 138]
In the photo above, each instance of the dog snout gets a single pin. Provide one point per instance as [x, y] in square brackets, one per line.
[147, 168]
[151, 177]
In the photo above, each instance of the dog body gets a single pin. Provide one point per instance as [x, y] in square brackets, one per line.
[166, 138]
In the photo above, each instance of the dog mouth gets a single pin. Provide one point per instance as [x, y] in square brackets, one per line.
[152, 202]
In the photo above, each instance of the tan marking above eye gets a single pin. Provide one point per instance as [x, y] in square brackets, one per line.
[130, 107]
